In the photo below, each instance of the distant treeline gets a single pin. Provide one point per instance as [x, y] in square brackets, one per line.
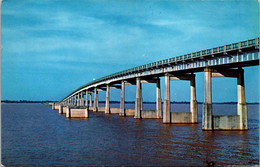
[129, 102]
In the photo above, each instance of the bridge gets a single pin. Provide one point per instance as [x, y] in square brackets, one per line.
[223, 61]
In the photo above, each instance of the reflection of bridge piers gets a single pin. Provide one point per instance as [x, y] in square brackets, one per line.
[223, 61]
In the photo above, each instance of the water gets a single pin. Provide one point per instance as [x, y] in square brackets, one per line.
[33, 134]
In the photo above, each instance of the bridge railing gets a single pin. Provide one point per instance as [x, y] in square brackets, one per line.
[187, 57]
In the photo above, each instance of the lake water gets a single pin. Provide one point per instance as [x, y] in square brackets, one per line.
[34, 134]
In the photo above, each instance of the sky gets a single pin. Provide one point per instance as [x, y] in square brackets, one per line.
[52, 47]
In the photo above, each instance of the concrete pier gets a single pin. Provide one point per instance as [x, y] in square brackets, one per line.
[95, 100]
[60, 109]
[101, 109]
[78, 100]
[77, 112]
[158, 99]
[91, 108]
[138, 99]
[90, 100]
[64, 110]
[122, 100]
[129, 112]
[241, 105]
[139, 111]
[181, 117]
[167, 103]
[114, 110]
[193, 101]
[86, 101]
[157, 113]
[107, 109]
[81, 99]
[224, 122]
[207, 105]
[141, 97]
[55, 106]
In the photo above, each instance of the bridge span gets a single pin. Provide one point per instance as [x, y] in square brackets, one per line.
[224, 61]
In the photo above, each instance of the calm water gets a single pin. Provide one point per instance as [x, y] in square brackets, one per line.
[33, 134]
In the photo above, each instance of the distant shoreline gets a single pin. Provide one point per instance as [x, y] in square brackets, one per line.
[127, 102]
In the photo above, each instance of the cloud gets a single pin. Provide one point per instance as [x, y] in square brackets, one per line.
[96, 38]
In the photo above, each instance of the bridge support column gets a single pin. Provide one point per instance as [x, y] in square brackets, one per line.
[78, 100]
[53, 106]
[86, 101]
[107, 109]
[180, 117]
[60, 109]
[95, 100]
[167, 103]
[141, 96]
[82, 99]
[79, 96]
[193, 101]
[90, 100]
[207, 105]
[138, 99]
[225, 122]
[241, 105]
[122, 100]
[158, 99]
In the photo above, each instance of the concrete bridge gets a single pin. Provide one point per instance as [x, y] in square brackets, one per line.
[224, 61]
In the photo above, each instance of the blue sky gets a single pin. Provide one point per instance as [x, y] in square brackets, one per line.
[52, 47]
